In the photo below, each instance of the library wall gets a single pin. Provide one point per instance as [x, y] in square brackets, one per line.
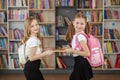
[54, 17]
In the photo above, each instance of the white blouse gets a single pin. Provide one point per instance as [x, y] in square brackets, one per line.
[32, 42]
[80, 37]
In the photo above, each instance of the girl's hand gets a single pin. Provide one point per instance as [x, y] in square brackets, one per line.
[69, 50]
[49, 49]
[48, 52]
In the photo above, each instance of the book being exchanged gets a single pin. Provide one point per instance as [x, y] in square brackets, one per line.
[59, 50]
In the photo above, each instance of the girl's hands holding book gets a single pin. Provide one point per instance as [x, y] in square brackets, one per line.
[69, 50]
[48, 52]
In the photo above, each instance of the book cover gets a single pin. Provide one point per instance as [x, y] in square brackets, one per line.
[68, 60]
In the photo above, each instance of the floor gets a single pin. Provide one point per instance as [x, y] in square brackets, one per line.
[59, 77]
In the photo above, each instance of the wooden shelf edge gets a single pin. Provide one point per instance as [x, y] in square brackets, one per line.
[90, 9]
[41, 9]
[59, 71]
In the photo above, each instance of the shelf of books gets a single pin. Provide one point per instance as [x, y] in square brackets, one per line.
[44, 11]
[17, 13]
[54, 17]
[65, 11]
[3, 35]
[111, 34]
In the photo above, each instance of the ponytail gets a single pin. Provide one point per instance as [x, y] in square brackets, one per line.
[70, 32]
[87, 28]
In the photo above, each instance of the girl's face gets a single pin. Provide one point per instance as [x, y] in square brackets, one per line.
[79, 24]
[34, 27]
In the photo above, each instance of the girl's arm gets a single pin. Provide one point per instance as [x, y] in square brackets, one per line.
[33, 56]
[85, 51]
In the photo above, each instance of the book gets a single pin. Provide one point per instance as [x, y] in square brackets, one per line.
[68, 60]
[117, 63]
[62, 62]
[109, 47]
[115, 14]
[107, 63]
[58, 63]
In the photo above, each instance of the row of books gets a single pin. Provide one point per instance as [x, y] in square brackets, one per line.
[3, 17]
[3, 4]
[44, 64]
[111, 2]
[14, 63]
[3, 61]
[111, 33]
[38, 16]
[44, 16]
[62, 21]
[61, 42]
[3, 31]
[89, 4]
[111, 47]
[3, 43]
[17, 3]
[59, 32]
[65, 2]
[17, 14]
[16, 33]
[39, 4]
[93, 16]
[13, 47]
[111, 14]
[46, 30]
[96, 29]
[112, 61]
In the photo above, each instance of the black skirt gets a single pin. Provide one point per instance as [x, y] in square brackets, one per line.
[82, 69]
[31, 70]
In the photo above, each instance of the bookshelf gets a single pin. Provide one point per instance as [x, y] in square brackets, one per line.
[3, 35]
[53, 29]
[65, 12]
[17, 13]
[111, 33]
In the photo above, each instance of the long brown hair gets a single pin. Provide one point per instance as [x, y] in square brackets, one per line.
[27, 27]
[71, 31]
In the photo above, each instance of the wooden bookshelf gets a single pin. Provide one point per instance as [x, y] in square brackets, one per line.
[96, 22]
[47, 23]
[3, 35]
[3, 23]
[41, 9]
[49, 18]
[3, 10]
[18, 7]
[15, 22]
[90, 9]
[111, 22]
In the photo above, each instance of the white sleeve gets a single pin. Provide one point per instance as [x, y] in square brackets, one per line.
[81, 37]
[33, 42]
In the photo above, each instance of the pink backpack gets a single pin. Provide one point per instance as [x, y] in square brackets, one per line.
[96, 56]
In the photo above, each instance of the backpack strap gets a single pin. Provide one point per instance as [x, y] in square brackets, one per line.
[77, 41]
[24, 50]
